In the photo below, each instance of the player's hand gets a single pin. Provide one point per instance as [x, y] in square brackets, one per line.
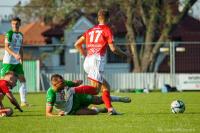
[128, 55]
[61, 113]
[78, 82]
[17, 57]
[59, 85]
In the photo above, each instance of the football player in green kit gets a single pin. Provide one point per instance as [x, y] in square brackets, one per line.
[13, 57]
[66, 101]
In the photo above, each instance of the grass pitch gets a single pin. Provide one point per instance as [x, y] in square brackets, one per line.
[148, 113]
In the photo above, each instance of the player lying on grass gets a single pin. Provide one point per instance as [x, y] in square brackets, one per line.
[7, 83]
[67, 102]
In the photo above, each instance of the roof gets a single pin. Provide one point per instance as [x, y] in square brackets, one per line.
[118, 26]
[33, 33]
[1, 40]
[56, 30]
[188, 29]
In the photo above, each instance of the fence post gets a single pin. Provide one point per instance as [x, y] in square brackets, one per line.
[172, 64]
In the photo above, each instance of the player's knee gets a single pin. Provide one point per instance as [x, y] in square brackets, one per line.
[22, 78]
[97, 88]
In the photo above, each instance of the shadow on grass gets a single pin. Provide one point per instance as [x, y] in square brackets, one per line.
[159, 113]
[165, 113]
[28, 115]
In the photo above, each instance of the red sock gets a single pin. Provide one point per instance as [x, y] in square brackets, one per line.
[106, 99]
[86, 89]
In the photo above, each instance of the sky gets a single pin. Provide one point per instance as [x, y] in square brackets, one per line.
[6, 7]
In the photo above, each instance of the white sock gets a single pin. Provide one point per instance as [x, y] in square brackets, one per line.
[115, 98]
[23, 92]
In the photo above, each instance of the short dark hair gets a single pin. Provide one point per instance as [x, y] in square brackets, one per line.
[104, 13]
[11, 73]
[55, 76]
[16, 19]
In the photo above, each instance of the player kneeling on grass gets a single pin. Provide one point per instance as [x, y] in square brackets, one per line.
[68, 102]
[7, 83]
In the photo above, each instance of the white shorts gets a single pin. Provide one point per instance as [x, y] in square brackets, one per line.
[94, 67]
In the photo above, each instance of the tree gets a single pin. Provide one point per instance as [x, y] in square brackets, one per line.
[155, 20]
[159, 15]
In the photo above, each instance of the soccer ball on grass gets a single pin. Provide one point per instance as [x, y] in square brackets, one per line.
[177, 106]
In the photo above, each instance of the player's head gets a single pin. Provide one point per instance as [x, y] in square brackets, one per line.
[103, 15]
[57, 82]
[15, 23]
[11, 77]
[6, 112]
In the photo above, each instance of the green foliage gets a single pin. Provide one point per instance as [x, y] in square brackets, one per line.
[148, 113]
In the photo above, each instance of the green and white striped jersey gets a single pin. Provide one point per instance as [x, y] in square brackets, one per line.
[15, 40]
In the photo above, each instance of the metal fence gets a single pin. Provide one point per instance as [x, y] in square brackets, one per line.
[31, 72]
[177, 64]
[133, 81]
[179, 67]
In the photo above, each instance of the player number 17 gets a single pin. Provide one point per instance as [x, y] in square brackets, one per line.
[94, 35]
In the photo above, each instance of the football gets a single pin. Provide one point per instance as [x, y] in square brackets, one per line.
[177, 106]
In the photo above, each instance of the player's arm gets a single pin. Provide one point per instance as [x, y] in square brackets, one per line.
[78, 45]
[49, 110]
[116, 50]
[74, 83]
[10, 51]
[77, 82]
[86, 111]
[21, 52]
[13, 101]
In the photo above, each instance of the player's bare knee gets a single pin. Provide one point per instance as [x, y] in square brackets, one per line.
[22, 79]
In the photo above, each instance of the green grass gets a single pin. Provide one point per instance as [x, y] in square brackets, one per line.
[148, 113]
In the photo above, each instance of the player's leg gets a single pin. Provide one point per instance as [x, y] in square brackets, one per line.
[85, 89]
[120, 99]
[23, 89]
[85, 100]
[95, 69]
[94, 89]
[107, 98]
[1, 99]
[98, 99]
[86, 111]
[6, 68]
[80, 105]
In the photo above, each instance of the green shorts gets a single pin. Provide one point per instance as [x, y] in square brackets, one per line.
[17, 68]
[80, 101]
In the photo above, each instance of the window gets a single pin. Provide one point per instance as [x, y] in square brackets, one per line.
[62, 57]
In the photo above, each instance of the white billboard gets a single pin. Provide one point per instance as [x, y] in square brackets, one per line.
[189, 82]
